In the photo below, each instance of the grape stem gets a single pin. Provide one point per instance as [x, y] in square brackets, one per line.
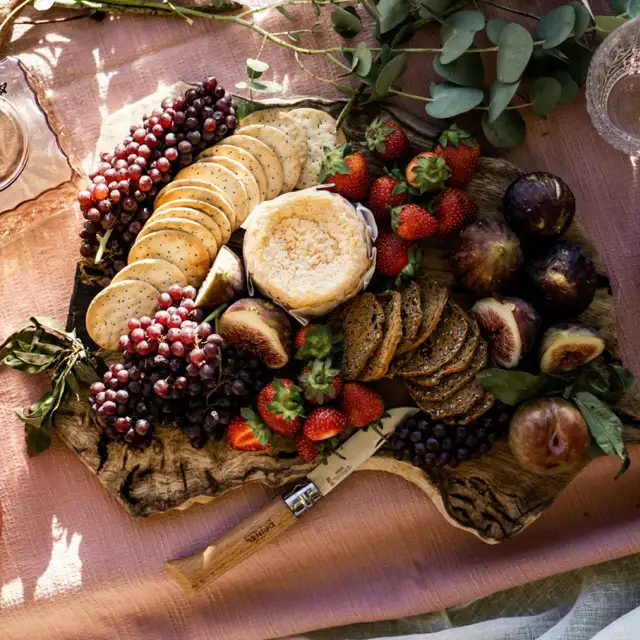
[216, 313]
[104, 238]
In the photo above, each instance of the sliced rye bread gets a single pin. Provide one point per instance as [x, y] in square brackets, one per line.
[477, 411]
[433, 297]
[376, 367]
[454, 382]
[362, 328]
[478, 362]
[460, 403]
[442, 346]
[411, 316]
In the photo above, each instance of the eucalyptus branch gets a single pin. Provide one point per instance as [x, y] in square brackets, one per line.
[526, 14]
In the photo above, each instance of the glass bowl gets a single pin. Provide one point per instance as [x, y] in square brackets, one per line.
[14, 148]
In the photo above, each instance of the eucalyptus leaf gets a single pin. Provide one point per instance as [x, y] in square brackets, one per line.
[434, 8]
[570, 87]
[545, 95]
[391, 71]
[294, 37]
[43, 5]
[588, 8]
[500, 95]
[362, 59]
[466, 71]
[263, 86]
[403, 34]
[343, 88]
[345, 23]
[580, 61]
[633, 8]
[509, 387]
[392, 13]
[515, 47]
[556, 26]
[583, 18]
[507, 130]
[255, 68]
[606, 24]
[494, 29]
[457, 33]
[453, 101]
[619, 7]
[286, 13]
[372, 9]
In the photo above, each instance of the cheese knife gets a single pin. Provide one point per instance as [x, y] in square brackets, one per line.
[197, 570]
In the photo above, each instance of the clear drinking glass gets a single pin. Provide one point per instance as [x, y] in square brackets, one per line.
[613, 88]
[14, 144]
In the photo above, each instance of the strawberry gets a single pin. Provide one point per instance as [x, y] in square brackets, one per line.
[361, 405]
[395, 257]
[320, 382]
[247, 432]
[316, 341]
[347, 171]
[324, 423]
[388, 140]
[386, 192]
[461, 153]
[412, 222]
[280, 405]
[453, 208]
[427, 172]
[307, 449]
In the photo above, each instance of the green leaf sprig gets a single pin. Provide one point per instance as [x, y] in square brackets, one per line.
[592, 388]
[43, 345]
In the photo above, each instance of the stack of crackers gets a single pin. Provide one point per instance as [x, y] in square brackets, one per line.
[424, 337]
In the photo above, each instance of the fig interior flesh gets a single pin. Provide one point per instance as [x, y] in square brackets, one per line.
[568, 346]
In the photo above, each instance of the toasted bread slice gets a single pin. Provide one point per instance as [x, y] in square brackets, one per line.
[458, 404]
[411, 316]
[362, 329]
[391, 302]
[443, 344]
[477, 411]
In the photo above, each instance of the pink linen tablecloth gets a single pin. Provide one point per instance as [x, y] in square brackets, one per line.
[73, 564]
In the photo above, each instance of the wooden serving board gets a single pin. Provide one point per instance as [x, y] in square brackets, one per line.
[490, 497]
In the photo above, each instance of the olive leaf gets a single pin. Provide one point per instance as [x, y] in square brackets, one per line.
[569, 86]
[515, 47]
[556, 26]
[494, 29]
[507, 130]
[246, 107]
[545, 95]
[500, 95]
[255, 68]
[606, 24]
[346, 23]
[451, 101]
[604, 425]
[392, 13]
[466, 70]
[583, 18]
[390, 72]
[457, 33]
[620, 379]
[509, 387]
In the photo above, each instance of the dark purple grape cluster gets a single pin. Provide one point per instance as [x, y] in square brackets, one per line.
[119, 199]
[430, 444]
[175, 370]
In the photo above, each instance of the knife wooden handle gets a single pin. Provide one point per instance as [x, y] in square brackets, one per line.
[258, 530]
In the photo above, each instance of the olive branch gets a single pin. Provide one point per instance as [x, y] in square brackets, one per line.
[538, 67]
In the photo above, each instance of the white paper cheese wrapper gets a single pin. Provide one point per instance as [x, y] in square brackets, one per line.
[303, 316]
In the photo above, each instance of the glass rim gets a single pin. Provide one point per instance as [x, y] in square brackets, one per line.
[12, 113]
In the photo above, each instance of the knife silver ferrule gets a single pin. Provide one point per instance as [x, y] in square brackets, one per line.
[302, 498]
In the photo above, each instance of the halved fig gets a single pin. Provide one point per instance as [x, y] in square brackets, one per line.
[510, 326]
[224, 282]
[260, 327]
[568, 346]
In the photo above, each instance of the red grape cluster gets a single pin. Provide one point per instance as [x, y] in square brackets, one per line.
[174, 371]
[119, 199]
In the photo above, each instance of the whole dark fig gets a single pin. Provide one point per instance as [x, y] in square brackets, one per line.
[486, 257]
[539, 204]
[562, 282]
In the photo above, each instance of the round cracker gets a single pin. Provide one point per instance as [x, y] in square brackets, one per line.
[109, 311]
[196, 229]
[320, 129]
[282, 120]
[158, 273]
[249, 182]
[179, 248]
[243, 157]
[215, 220]
[197, 190]
[282, 147]
[266, 157]
[224, 179]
